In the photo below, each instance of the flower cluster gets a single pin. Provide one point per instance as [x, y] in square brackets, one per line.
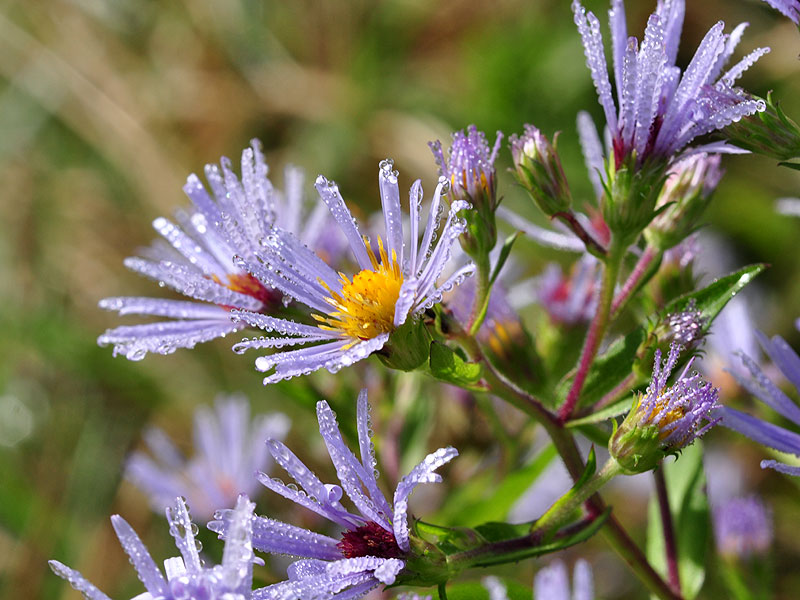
[743, 527]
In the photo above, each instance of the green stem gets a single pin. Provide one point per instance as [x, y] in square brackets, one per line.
[480, 303]
[442, 591]
[597, 329]
[562, 510]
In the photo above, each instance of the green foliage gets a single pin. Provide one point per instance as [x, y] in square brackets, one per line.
[447, 365]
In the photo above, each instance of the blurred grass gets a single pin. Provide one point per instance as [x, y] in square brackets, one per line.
[105, 107]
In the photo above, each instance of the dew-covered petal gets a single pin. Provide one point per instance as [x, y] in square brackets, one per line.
[422, 473]
[140, 558]
[77, 581]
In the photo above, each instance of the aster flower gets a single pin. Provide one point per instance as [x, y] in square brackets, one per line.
[186, 575]
[660, 109]
[354, 315]
[229, 449]
[197, 258]
[552, 582]
[742, 527]
[770, 394]
[665, 418]
[788, 8]
[375, 545]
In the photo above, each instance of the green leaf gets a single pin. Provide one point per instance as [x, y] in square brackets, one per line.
[713, 298]
[504, 252]
[685, 480]
[609, 412]
[484, 499]
[791, 165]
[448, 366]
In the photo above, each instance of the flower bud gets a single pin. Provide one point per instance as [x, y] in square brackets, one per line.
[538, 169]
[685, 195]
[664, 419]
[469, 168]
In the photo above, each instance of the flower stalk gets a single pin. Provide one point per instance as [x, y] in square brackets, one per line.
[597, 329]
[670, 544]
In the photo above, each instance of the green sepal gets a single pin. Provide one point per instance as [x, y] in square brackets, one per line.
[408, 347]
[447, 365]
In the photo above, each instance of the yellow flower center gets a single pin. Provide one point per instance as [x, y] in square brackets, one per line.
[364, 308]
[667, 419]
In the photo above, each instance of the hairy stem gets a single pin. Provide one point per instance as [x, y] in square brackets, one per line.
[597, 330]
[670, 545]
[644, 269]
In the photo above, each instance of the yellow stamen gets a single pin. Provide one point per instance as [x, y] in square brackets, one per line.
[667, 419]
[364, 308]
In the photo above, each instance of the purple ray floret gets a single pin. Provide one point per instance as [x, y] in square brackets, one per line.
[398, 280]
[186, 575]
[195, 257]
[229, 448]
[375, 538]
[789, 8]
[659, 109]
[764, 389]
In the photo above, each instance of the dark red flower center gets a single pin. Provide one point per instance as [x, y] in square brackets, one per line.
[369, 540]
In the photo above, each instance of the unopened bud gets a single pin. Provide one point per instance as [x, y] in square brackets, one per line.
[685, 195]
[538, 169]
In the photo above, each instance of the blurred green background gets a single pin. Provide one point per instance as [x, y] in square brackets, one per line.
[106, 106]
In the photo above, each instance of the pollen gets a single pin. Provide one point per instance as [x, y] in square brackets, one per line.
[365, 306]
[667, 416]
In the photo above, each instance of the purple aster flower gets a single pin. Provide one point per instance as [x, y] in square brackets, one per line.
[743, 527]
[659, 109]
[197, 258]
[229, 449]
[570, 298]
[354, 315]
[470, 164]
[789, 8]
[552, 582]
[770, 394]
[186, 575]
[682, 255]
[374, 544]
[665, 418]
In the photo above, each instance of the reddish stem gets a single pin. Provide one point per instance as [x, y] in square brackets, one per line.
[633, 281]
[670, 545]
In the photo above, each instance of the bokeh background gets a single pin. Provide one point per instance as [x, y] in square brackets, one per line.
[106, 106]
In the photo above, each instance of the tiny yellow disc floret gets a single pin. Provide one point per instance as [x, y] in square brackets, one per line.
[365, 307]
